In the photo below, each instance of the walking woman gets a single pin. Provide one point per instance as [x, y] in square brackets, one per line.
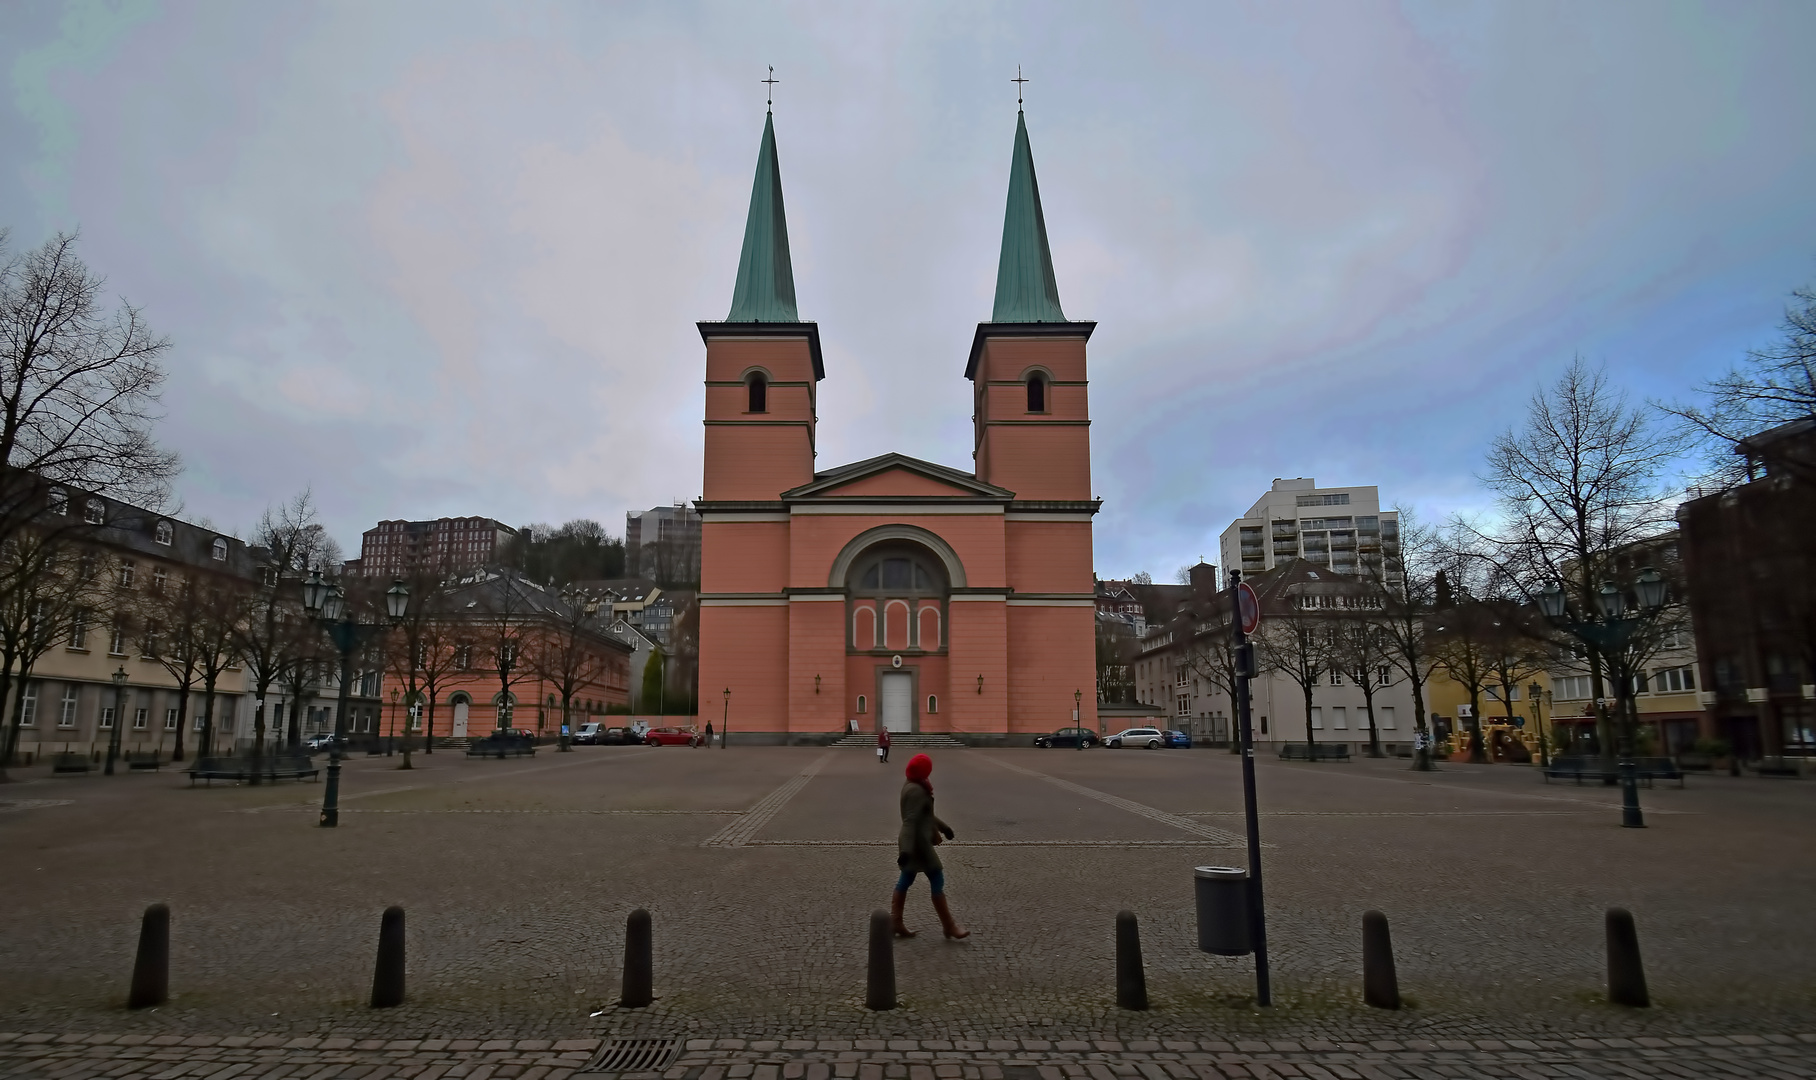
[921, 830]
[882, 745]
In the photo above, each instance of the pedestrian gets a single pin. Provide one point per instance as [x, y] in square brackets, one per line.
[921, 831]
[709, 733]
[882, 745]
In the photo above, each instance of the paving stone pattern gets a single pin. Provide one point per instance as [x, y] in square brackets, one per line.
[517, 877]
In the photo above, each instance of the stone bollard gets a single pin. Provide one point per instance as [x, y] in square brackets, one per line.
[1380, 984]
[879, 990]
[388, 973]
[639, 988]
[151, 969]
[1131, 980]
[1626, 975]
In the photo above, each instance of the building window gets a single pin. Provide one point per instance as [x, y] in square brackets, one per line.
[863, 705]
[933, 703]
[759, 394]
[1674, 680]
[28, 715]
[138, 719]
[106, 717]
[159, 576]
[219, 550]
[170, 719]
[1336, 677]
[1323, 500]
[128, 573]
[78, 629]
[94, 511]
[163, 533]
[1384, 675]
[1570, 687]
[463, 657]
[1037, 393]
[59, 502]
[66, 716]
[116, 645]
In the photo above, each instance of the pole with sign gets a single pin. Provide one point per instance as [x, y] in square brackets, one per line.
[1246, 618]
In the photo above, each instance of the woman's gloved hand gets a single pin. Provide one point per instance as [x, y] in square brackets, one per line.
[947, 830]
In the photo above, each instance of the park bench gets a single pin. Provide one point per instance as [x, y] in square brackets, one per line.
[1695, 762]
[1778, 766]
[276, 767]
[1580, 766]
[69, 761]
[1317, 752]
[501, 746]
[144, 762]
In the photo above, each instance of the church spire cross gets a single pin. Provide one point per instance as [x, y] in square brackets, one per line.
[772, 81]
[1018, 81]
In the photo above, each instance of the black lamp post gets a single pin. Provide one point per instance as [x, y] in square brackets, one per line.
[1538, 723]
[113, 737]
[1611, 633]
[1077, 718]
[327, 602]
[725, 721]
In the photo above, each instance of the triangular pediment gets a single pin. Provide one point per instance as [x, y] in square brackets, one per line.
[897, 476]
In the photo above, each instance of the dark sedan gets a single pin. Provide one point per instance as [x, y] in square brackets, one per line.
[1177, 740]
[1068, 737]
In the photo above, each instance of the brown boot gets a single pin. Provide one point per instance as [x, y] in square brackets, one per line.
[895, 914]
[947, 922]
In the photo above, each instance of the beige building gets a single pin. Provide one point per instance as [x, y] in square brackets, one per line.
[72, 700]
[1339, 528]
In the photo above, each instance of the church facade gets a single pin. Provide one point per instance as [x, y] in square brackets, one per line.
[894, 592]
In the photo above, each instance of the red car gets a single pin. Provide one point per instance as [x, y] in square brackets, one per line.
[671, 736]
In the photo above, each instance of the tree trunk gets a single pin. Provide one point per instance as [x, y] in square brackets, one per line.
[205, 746]
[1368, 702]
[1310, 740]
[12, 723]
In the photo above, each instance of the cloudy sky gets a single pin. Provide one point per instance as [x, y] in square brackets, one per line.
[446, 258]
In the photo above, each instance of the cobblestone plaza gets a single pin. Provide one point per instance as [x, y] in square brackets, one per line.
[760, 867]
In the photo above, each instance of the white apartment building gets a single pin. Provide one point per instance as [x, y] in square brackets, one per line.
[1342, 528]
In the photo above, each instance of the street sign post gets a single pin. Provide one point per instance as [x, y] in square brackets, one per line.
[1246, 609]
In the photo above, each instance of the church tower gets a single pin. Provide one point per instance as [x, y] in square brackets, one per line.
[762, 368]
[1032, 430]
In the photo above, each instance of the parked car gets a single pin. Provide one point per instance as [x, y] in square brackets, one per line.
[1068, 736]
[319, 742]
[1178, 740]
[671, 736]
[1147, 737]
[621, 736]
[586, 734]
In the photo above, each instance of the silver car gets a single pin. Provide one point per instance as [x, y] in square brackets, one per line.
[1150, 738]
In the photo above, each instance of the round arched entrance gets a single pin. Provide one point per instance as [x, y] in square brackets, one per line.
[896, 596]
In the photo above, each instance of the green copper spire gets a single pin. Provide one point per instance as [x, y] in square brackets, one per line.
[766, 287]
[1025, 289]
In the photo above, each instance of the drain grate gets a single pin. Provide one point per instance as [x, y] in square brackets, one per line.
[634, 1056]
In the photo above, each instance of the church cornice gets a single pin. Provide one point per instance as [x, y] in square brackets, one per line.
[1022, 330]
[748, 330]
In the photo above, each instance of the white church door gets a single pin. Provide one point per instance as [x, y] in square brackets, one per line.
[898, 701]
[460, 718]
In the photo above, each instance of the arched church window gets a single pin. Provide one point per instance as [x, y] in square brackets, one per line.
[1037, 393]
[759, 393]
[897, 599]
[862, 704]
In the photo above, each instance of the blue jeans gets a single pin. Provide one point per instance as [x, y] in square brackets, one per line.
[935, 878]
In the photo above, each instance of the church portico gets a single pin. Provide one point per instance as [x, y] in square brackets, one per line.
[894, 592]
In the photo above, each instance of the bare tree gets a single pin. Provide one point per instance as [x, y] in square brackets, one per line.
[290, 543]
[221, 607]
[48, 587]
[78, 387]
[1405, 580]
[1297, 642]
[505, 613]
[1578, 482]
[569, 652]
[1775, 385]
[1363, 649]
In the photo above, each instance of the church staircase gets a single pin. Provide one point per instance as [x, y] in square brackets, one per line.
[904, 741]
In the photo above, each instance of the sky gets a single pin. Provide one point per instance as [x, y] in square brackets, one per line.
[446, 258]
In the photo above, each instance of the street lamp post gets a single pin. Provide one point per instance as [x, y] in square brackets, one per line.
[113, 737]
[725, 721]
[327, 602]
[1611, 632]
[1077, 727]
[391, 730]
[1538, 723]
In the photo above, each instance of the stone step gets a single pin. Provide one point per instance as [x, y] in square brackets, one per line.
[903, 741]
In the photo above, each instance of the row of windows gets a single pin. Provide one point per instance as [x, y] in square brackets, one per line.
[933, 704]
[94, 512]
[1671, 680]
[756, 389]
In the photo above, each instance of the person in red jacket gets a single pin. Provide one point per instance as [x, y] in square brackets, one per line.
[882, 746]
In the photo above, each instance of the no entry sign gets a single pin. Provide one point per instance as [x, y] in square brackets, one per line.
[1248, 607]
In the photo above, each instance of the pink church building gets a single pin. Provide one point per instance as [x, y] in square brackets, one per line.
[893, 592]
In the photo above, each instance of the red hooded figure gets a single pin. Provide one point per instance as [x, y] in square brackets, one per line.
[921, 831]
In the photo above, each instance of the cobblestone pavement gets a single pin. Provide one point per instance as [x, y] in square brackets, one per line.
[169, 1057]
[761, 865]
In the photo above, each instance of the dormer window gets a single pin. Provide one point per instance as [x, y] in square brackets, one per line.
[1037, 393]
[59, 502]
[94, 511]
[163, 533]
[759, 393]
[219, 550]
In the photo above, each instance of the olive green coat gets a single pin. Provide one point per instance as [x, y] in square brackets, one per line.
[919, 826]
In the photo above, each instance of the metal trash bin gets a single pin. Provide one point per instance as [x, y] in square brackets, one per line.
[1223, 910]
